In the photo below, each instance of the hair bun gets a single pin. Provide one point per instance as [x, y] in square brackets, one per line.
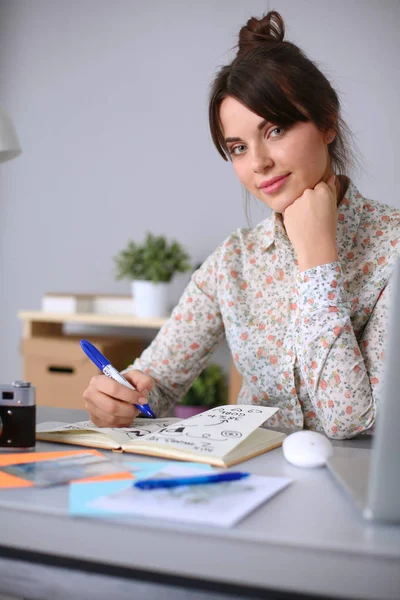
[270, 28]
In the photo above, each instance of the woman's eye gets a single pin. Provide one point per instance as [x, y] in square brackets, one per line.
[273, 133]
[236, 150]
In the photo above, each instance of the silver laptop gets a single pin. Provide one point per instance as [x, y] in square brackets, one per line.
[373, 476]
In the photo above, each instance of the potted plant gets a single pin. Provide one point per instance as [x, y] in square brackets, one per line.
[150, 267]
[208, 390]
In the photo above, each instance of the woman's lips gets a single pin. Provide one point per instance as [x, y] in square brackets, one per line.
[271, 189]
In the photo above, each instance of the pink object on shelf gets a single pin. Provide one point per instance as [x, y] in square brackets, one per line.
[182, 411]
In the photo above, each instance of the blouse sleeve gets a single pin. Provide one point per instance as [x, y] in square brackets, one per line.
[342, 375]
[184, 344]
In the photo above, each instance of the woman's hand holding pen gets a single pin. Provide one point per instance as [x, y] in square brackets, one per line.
[111, 404]
[311, 222]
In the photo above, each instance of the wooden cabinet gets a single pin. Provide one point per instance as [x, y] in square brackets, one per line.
[37, 323]
[54, 362]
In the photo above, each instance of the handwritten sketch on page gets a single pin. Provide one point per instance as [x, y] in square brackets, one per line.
[122, 436]
[221, 436]
[215, 432]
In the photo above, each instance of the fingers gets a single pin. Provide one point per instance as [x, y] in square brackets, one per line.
[288, 210]
[111, 404]
[330, 183]
[106, 412]
[141, 381]
[105, 385]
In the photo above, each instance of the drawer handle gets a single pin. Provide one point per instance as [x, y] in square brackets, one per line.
[60, 369]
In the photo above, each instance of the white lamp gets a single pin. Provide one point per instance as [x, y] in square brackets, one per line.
[9, 142]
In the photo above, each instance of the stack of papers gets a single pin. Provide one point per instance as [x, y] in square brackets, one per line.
[218, 504]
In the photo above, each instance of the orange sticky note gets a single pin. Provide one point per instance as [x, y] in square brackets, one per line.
[12, 481]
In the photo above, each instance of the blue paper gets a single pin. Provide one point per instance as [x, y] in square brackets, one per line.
[82, 494]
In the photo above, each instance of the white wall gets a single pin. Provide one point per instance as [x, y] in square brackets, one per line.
[110, 102]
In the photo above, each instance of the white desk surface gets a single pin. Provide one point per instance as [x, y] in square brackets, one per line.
[309, 539]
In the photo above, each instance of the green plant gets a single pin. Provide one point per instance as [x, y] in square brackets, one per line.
[155, 260]
[209, 389]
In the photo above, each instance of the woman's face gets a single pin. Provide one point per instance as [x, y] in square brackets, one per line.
[261, 152]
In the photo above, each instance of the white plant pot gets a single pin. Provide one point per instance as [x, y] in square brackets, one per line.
[151, 299]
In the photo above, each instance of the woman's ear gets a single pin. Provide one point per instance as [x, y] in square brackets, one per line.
[330, 136]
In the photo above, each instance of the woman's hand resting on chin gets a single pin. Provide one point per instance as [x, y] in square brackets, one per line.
[311, 223]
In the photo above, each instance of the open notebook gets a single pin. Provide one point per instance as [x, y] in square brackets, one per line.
[222, 436]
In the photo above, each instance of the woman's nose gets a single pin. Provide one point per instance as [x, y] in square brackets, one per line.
[261, 160]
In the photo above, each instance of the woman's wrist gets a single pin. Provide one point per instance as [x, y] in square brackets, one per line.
[317, 259]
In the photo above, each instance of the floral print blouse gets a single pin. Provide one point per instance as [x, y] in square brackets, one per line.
[310, 343]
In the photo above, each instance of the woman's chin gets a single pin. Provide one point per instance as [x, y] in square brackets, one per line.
[281, 204]
[278, 202]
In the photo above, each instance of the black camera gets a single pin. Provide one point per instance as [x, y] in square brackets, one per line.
[17, 416]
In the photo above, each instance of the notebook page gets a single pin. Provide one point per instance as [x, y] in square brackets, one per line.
[119, 435]
[258, 440]
[212, 433]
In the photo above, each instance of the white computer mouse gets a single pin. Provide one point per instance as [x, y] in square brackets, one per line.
[307, 449]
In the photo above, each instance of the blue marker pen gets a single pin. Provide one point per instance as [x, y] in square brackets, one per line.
[106, 367]
[154, 484]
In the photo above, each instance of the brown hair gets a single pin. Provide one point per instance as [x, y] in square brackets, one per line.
[275, 79]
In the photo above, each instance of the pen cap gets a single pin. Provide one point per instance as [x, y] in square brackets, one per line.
[95, 355]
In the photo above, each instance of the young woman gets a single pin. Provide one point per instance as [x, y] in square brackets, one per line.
[303, 297]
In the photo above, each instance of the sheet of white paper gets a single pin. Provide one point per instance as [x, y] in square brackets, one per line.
[141, 428]
[82, 495]
[219, 504]
[214, 432]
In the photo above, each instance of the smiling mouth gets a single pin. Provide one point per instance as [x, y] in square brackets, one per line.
[275, 184]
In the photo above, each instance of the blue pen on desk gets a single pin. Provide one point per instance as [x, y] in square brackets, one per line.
[154, 484]
[106, 367]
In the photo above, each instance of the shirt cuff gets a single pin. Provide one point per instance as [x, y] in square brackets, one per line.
[321, 287]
